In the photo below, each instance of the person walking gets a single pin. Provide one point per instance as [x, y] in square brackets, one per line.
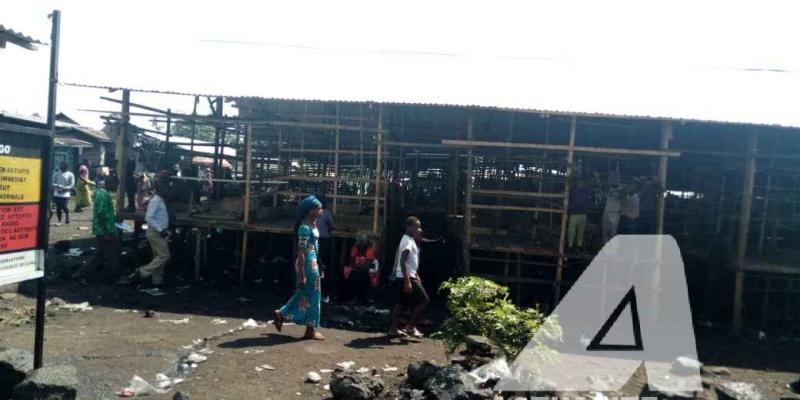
[63, 184]
[157, 233]
[580, 202]
[103, 228]
[611, 212]
[83, 190]
[304, 306]
[408, 288]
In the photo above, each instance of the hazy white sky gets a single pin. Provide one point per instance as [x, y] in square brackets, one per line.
[627, 57]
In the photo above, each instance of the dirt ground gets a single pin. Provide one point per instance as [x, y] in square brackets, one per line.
[114, 341]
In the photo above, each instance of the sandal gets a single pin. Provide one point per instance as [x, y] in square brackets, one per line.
[315, 336]
[278, 320]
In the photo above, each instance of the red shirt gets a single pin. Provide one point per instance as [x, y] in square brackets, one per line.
[359, 257]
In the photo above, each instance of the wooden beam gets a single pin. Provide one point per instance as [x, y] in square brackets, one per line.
[336, 160]
[376, 211]
[559, 147]
[468, 203]
[666, 136]
[124, 129]
[744, 226]
[512, 194]
[246, 218]
[326, 151]
[563, 232]
[514, 208]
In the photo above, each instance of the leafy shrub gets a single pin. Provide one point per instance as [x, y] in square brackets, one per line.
[481, 307]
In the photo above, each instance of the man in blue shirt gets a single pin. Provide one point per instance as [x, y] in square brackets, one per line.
[157, 233]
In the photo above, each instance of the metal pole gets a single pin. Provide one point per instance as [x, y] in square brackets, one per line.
[41, 292]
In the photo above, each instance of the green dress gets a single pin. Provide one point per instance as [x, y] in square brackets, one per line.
[103, 210]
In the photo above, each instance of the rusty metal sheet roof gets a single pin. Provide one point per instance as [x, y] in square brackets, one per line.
[17, 38]
[70, 142]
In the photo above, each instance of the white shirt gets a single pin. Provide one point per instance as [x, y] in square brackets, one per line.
[407, 243]
[156, 216]
[63, 180]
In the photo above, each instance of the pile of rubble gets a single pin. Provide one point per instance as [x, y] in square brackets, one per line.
[19, 381]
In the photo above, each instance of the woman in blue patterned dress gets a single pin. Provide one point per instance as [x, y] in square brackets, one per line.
[304, 306]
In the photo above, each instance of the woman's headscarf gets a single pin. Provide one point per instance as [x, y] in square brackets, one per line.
[362, 239]
[83, 172]
[308, 204]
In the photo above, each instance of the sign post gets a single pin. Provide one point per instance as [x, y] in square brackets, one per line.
[24, 188]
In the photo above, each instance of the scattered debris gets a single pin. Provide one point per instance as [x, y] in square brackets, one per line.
[268, 367]
[80, 307]
[327, 387]
[326, 371]
[762, 336]
[181, 396]
[176, 321]
[250, 323]
[259, 369]
[8, 296]
[52, 382]
[14, 365]
[354, 386]
[346, 365]
[363, 370]
[196, 358]
[244, 300]
[74, 252]
[150, 314]
[686, 365]
[490, 374]
[139, 387]
[313, 377]
[738, 391]
[387, 368]
[153, 291]
[217, 321]
[718, 370]
[83, 228]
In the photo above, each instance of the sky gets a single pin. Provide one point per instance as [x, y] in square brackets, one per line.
[713, 60]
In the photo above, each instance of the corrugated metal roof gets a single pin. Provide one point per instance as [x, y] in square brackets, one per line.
[770, 99]
[70, 142]
[9, 35]
[200, 146]
[61, 126]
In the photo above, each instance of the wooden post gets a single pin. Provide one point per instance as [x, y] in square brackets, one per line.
[744, 225]
[336, 161]
[198, 248]
[765, 213]
[468, 202]
[194, 129]
[564, 215]
[124, 130]
[246, 219]
[378, 171]
[666, 136]
[169, 134]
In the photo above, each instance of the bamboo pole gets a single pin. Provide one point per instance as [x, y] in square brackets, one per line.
[378, 172]
[564, 216]
[468, 203]
[666, 136]
[247, 184]
[336, 161]
[744, 225]
[559, 147]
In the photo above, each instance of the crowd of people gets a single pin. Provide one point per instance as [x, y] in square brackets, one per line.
[626, 209]
[314, 228]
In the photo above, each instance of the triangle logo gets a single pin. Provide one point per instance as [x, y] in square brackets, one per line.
[629, 301]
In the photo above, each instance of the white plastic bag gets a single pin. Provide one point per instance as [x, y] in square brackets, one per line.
[139, 387]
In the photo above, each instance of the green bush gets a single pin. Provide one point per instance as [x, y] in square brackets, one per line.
[481, 307]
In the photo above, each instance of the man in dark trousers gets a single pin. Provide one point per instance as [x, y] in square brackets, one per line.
[408, 288]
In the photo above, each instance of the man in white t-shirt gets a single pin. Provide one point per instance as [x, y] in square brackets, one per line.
[63, 184]
[407, 284]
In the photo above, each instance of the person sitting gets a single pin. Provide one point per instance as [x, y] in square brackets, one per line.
[362, 271]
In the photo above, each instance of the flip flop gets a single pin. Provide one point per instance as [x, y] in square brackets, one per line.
[315, 336]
